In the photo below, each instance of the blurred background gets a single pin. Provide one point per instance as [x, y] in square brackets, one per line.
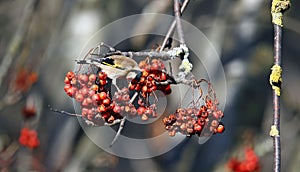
[39, 41]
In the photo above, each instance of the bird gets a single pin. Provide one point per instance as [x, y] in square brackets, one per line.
[115, 66]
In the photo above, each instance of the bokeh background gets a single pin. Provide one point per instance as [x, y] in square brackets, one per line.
[44, 37]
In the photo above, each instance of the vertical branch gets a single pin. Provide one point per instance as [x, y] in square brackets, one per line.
[277, 10]
[178, 22]
[172, 27]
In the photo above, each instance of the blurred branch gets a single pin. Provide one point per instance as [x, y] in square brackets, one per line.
[17, 40]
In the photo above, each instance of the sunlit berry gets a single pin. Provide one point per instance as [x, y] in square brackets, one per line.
[67, 81]
[102, 75]
[101, 108]
[70, 75]
[102, 82]
[106, 102]
[102, 95]
[220, 128]
[144, 117]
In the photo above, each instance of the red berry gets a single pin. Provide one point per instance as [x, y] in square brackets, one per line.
[220, 128]
[102, 82]
[94, 87]
[117, 109]
[79, 97]
[83, 78]
[71, 91]
[144, 117]
[102, 95]
[67, 86]
[67, 81]
[102, 75]
[111, 119]
[163, 76]
[138, 87]
[125, 97]
[101, 108]
[131, 86]
[145, 73]
[84, 112]
[96, 98]
[92, 77]
[144, 89]
[154, 66]
[70, 75]
[142, 80]
[84, 91]
[141, 110]
[197, 128]
[106, 102]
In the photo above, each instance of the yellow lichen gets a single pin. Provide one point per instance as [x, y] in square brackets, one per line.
[276, 79]
[277, 10]
[274, 131]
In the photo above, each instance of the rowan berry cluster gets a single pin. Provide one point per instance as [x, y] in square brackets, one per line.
[29, 138]
[89, 90]
[201, 121]
[150, 78]
[124, 106]
[250, 163]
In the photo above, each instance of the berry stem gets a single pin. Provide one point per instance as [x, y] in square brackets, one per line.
[63, 112]
[119, 131]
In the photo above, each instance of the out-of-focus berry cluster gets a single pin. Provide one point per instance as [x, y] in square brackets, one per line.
[250, 162]
[202, 121]
[29, 138]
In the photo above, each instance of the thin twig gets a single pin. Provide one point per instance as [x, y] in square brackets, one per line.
[64, 112]
[172, 27]
[119, 131]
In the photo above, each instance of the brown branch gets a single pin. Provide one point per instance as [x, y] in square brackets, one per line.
[172, 27]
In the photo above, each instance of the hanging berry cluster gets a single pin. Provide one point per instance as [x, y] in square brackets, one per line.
[202, 121]
[250, 162]
[97, 106]
[148, 80]
[124, 106]
[29, 138]
[89, 90]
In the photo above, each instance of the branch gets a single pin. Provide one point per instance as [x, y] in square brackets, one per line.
[277, 10]
[172, 27]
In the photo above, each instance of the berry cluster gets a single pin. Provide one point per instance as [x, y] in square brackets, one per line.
[89, 90]
[150, 77]
[249, 164]
[201, 121]
[29, 138]
[124, 106]
[24, 80]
